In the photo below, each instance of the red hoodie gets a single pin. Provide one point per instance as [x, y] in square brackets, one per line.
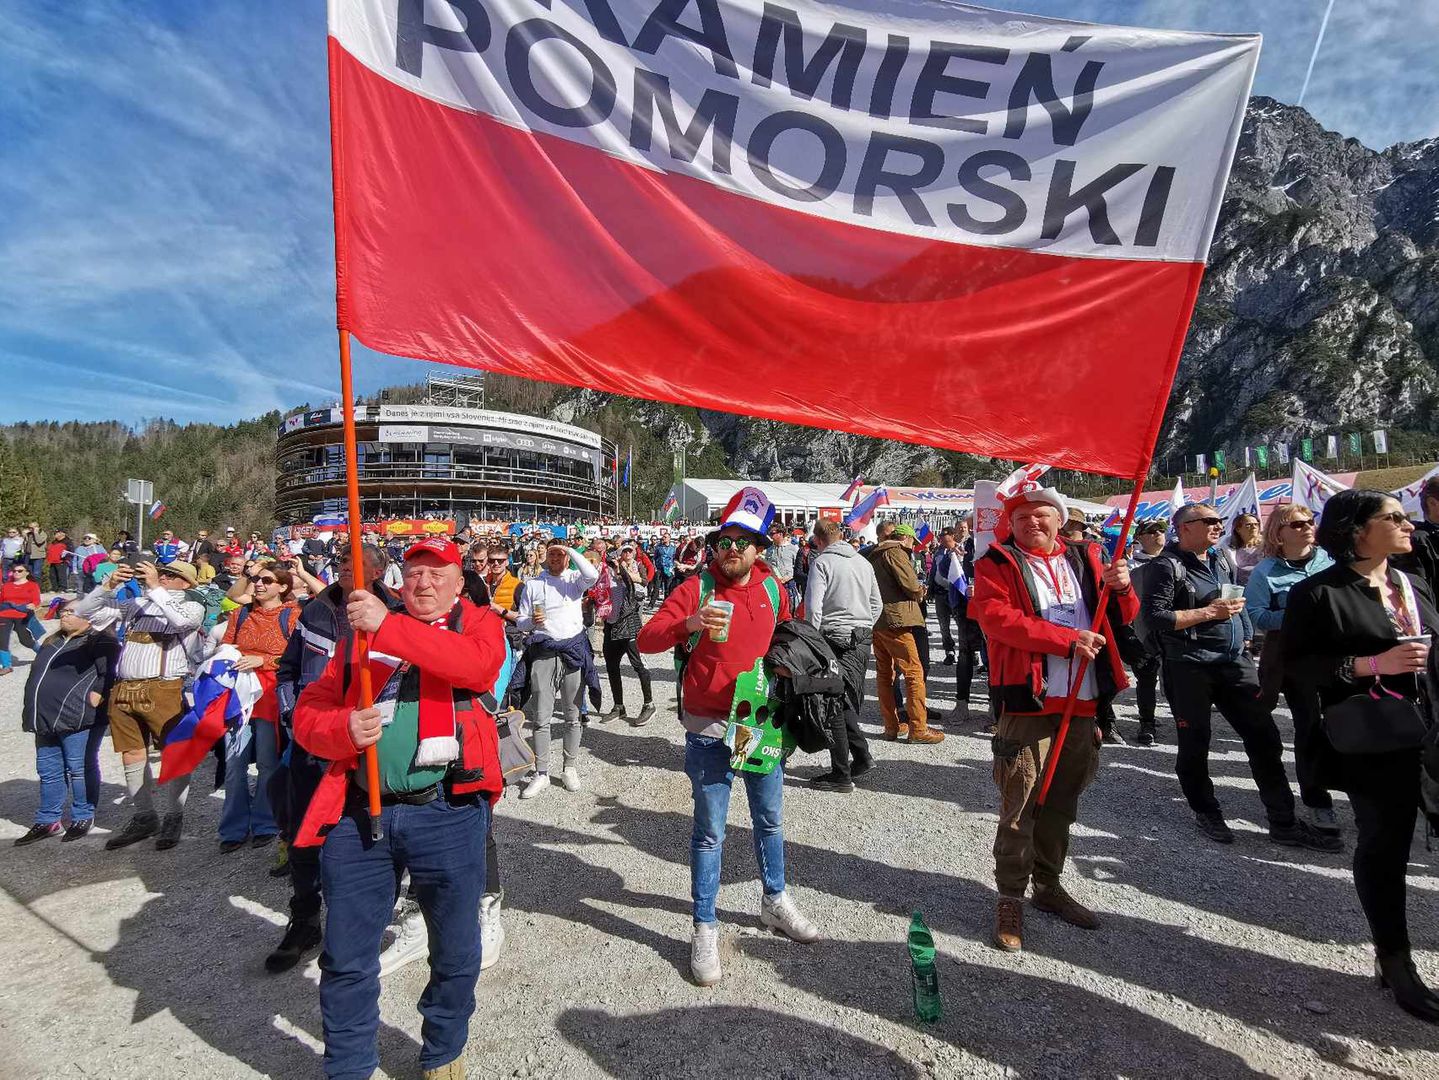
[715, 665]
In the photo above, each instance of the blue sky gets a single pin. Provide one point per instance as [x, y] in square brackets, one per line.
[165, 241]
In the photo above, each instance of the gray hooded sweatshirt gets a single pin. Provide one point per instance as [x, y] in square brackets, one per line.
[842, 592]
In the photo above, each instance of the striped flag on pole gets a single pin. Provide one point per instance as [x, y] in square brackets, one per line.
[810, 183]
[853, 489]
[859, 515]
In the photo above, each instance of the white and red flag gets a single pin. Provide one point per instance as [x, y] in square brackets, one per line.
[921, 220]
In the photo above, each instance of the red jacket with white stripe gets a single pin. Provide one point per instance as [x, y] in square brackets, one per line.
[1005, 604]
[468, 657]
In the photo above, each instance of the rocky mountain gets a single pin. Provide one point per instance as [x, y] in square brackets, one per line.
[1320, 308]
[1319, 313]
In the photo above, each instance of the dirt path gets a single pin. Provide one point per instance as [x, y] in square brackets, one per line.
[1212, 962]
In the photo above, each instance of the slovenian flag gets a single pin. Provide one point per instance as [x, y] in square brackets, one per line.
[224, 699]
[156, 510]
[853, 489]
[859, 514]
[924, 534]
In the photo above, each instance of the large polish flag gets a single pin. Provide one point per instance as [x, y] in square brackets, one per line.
[931, 222]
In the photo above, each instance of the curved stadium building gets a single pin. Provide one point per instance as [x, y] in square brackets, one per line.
[443, 460]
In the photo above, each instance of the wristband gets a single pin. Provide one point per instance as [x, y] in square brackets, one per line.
[1374, 666]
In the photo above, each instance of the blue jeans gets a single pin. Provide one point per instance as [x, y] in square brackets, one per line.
[707, 766]
[246, 814]
[71, 761]
[443, 847]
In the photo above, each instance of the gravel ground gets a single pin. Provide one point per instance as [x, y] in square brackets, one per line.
[1213, 962]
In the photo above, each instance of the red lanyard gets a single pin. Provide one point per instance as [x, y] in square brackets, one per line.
[1052, 574]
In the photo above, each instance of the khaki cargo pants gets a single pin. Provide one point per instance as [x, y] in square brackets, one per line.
[1026, 847]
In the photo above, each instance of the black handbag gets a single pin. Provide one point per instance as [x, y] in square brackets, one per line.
[1374, 723]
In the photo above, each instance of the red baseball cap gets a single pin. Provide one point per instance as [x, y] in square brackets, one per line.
[439, 547]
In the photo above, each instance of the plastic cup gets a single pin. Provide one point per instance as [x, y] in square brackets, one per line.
[538, 607]
[728, 609]
[1231, 592]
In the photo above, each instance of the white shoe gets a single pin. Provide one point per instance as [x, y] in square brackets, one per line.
[535, 785]
[409, 939]
[780, 913]
[704, 954]
[492, 934]
[570, 778]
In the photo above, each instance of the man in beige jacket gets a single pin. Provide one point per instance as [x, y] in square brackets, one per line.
[894, 644]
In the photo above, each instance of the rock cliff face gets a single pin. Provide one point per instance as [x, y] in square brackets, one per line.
[1319, 311]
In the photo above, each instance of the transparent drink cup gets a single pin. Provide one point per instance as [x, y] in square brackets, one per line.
[1231, 592]
[728, 609]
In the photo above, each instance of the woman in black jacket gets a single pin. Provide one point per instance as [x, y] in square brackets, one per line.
[626, 582]
[64, 697]
[1343, 635]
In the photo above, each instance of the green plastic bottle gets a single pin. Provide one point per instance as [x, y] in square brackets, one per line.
[927, 1004]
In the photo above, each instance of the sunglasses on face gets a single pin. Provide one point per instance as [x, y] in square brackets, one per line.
[499, 562]
[1395, 517]
[267, 581]
[1208, 523]
[739, 543]
[1307, 523]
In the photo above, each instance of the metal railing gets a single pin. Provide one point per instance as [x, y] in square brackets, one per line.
[434, 472]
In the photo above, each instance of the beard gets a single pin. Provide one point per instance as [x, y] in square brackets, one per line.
[733, 567]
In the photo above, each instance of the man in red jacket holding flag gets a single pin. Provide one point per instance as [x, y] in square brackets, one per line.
[1034, 598]
[439, 773]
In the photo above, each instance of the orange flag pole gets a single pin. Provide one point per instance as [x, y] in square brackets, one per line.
[1052, 762]
[357, 564]
[352, 456]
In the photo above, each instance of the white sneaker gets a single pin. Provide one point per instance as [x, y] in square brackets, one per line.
[409, 939]
[570, 778]
[492, 934]
[704, 954]
[534, 785]
[780, 913]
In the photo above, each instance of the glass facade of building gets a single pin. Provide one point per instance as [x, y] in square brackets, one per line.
[494, 466]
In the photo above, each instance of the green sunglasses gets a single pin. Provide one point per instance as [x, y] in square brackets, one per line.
[739, 543]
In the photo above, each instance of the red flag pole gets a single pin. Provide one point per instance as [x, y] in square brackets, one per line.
[1176, 348]
[352, 456]
[1052, 762]
[357, 564]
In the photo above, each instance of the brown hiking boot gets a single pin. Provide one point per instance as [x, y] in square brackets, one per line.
[901, 732]
[925, 737]
[1058, 902]
[1009, 924]
[453, 1070]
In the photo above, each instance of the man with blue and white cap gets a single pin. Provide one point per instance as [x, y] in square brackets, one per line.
[722, 620]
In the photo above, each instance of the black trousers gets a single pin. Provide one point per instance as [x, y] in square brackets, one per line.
[946, 614]
[1384, 795]
[1194, 690]
[1146, 688]
[849, 748]
[615, 652]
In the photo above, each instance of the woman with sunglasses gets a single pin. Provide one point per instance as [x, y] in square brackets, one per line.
[1360, 627]
[1244, 546]
[67, 685]
[260, 630]
[19, 599]
[1291, 556]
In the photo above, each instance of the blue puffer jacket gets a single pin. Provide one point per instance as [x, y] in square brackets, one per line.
[1270, 582]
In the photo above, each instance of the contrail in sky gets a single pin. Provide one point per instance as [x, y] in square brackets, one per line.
[1323, 25]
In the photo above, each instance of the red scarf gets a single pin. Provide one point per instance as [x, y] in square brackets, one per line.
[438, 744]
